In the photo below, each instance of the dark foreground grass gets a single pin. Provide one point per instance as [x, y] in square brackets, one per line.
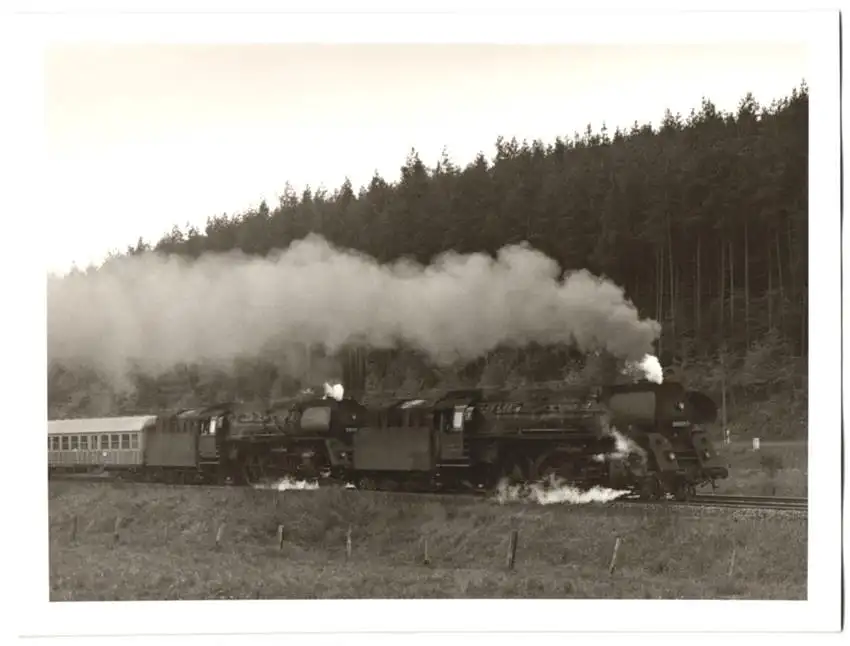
[167, 547]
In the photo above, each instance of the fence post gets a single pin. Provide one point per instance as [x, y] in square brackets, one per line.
[425, 558]
[614, 556]
[280, 537]
[732, 562]
[116, 532]
[348, 543]
[74, 529]
[218, 535]
[756, 444]
[512, 548]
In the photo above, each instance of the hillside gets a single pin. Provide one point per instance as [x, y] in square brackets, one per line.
[703, 222]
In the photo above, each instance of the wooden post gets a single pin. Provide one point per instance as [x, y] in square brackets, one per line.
[425, 558]
[218, 535]
[116, 532]
[348, 543]
[73, 529]
[614, 556]
[512, 548]
[280, 537]
[732, 562]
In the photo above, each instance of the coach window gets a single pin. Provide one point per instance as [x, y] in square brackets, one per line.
[64, 442]
[49, 443]
[125, 440]
[115, 441]
[457, 420]
[84, 442]
[55, 443]
[93, 442]
[75, 442]
[134, 441]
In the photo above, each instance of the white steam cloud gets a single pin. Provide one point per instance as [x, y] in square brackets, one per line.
[557, 493]
[648, 367]
[155, 311]
[288, 484]
[623, 448]
[334, 392]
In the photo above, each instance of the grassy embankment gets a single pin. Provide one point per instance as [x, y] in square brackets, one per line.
[166, 547]
[778, 468]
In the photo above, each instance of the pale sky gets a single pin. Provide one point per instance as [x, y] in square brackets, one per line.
[142, 137]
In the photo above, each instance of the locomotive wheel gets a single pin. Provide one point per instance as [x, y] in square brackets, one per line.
[650, 489]
[366, 483]
[552, 472]
[254, 470]
[684, 491]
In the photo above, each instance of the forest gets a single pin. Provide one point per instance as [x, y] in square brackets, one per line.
[703, 221]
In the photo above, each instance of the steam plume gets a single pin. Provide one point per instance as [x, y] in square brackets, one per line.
[335, 392]
[648, 367]
[558, 493]
[156, 311]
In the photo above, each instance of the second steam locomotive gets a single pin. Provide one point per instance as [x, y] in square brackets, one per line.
[645, 437]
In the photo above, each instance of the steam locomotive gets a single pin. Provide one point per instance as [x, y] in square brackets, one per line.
[645, 437]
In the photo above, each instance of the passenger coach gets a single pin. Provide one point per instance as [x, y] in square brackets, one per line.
[81, 445]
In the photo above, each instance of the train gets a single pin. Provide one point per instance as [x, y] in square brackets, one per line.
[644, 437]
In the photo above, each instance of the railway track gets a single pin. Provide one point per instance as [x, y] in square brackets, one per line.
[758, 502]
[700, 500]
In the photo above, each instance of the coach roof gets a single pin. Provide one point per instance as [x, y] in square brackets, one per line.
[98, 425]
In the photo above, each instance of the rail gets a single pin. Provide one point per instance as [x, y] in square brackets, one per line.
[700, 500]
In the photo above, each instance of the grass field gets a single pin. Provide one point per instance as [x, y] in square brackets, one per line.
[778, 468]
[166, 547]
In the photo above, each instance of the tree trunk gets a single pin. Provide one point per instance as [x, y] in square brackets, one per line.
[722, 287]
[659, 292]
[746, 285]
[697, 292]
[781, 288]
[672, 276]
[731, 289]
[769, 288]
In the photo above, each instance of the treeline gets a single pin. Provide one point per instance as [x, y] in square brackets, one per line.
[703, 221]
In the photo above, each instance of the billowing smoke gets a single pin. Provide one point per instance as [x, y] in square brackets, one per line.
[155, 311]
